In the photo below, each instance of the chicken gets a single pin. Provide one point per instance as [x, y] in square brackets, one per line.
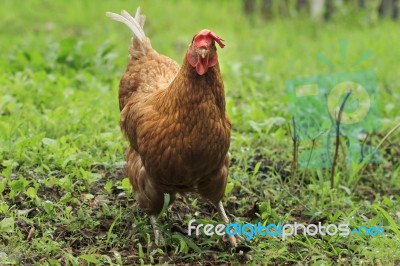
[175, 120]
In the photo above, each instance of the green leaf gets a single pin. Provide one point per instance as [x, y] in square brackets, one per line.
[256, 168]
[7, 225]
[108, 186]
[93, 258]
[140, 251]
[228, 188]
[31, 192]
[19, 185]
[49, 142]
[183, 246]
[387, 201]
[109, 233]
[188, 241]
[3, 207]
[393, 224]
[48, 207]
[66, 197]
[126, 186]
[167, 199]
[3, 183]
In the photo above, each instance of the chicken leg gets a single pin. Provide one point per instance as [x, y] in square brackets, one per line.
[158, 237]
[232, 239]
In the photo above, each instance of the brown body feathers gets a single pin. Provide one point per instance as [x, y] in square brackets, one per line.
[175, 121]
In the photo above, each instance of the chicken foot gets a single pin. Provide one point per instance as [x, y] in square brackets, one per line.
[232, 239]
[158, 237]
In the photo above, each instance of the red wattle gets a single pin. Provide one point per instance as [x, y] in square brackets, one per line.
[202, 65]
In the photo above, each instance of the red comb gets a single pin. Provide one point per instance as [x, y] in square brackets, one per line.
[204, 36]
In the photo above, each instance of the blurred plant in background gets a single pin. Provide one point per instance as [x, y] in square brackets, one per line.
[323, 9]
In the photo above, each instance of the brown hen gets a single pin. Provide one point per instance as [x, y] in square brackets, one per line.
[175, 120]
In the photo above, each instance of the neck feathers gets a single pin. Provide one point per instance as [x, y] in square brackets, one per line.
[190, 90]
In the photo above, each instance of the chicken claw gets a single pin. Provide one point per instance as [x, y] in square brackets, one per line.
[232, 239]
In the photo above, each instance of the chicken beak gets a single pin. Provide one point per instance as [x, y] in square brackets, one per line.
[203, 52]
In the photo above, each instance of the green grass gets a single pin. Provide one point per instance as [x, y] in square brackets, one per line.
[64, 198]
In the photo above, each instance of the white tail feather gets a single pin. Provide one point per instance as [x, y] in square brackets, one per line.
[128, 16]
[139, 17]
[135, 24]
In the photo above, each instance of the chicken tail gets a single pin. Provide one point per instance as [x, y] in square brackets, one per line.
[140, 43]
